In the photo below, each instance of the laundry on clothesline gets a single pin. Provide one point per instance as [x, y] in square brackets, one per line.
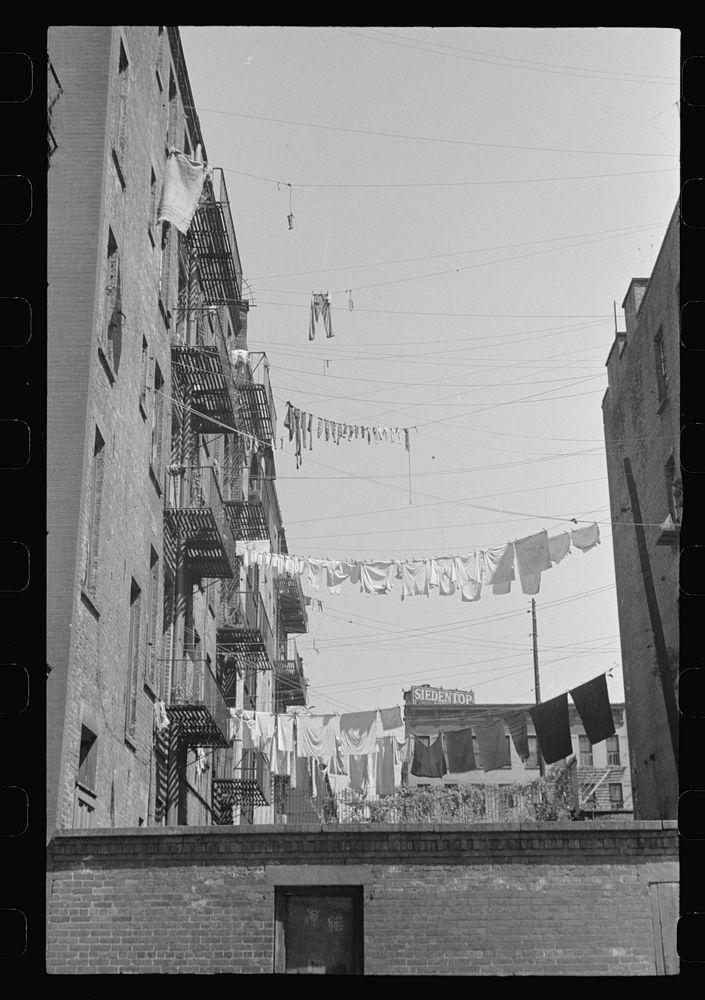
[466, 575]
[300, 425]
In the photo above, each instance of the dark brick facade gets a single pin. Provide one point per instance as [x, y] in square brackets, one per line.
[523, 899]
[642, 422]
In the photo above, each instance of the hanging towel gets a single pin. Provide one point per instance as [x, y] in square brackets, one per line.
[340, 572]
[459, 751]
[414, 579]
[492, 745]
[428, 762]
[315, 736]
[585, 538]
[285, 732]
[532, 558]
[319, 428]
[498, 567]
[384, 777]
[309, 427]
[391, 717]
[181, 190]
[593, 704]
[444, 575]
[377, 577]
[559, 546]
[516, 724]
[358, 732]
[316, 573]
[552, 724]
[289, 420]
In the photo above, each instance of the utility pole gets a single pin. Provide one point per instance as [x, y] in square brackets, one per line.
[537, 683]
[669, 696]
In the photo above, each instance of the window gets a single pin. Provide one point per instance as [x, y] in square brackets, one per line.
[157, 425]
[151, 679]
[87, 759]
[585, 747]
[661, 372]
[152, 220]
[616, 796]
[144, 368]
[613, 756]
[111, 343]
[95, 501]
[674, 490]
[120, 128]
[133, 663]
[533, 758]
[173, 111]
[319, 930]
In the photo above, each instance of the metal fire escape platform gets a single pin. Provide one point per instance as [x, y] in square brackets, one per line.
[203, 371]
[248, 519]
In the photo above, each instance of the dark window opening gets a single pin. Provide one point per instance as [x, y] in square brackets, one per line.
[95, 502]
[585, 749]
[133, 662]
[319, 930]
[661, 371]
[87, 759]
[613, 755]
[114, 317]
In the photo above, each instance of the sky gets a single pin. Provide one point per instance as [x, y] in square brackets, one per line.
[475, 201]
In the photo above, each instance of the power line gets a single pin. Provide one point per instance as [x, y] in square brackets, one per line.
[510, 62]
[425, 138]
[451, 184]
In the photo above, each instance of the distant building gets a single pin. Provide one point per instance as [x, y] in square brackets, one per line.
[602, 770]
[160, 462]
[641, 412]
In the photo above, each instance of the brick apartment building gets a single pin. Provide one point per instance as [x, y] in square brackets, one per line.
[148, 491]
[166, 852]
[641, 411]
[601, 771]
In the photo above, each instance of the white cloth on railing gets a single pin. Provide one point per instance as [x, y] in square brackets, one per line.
[181, 190]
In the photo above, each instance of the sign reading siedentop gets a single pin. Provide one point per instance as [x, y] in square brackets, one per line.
[441, 696]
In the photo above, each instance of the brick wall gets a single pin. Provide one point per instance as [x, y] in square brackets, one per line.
[638, 427]
[88, 634]
[524, 899]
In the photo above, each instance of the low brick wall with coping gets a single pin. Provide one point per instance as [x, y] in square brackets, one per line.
[457, 899]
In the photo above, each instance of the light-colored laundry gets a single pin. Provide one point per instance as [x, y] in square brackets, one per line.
[404, 750]
[377, 577]
[414, 579]
[468, 574]
[181, 190]
[316, 573]
[559, 546]
[533, 558]
[358, 732]
[249, 730]
[285, 732]
[585, 538]
[266, 722]
[498, 567]
[161, 719]
[360, 770]
[315, 736]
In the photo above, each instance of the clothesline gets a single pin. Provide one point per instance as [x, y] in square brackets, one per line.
[300, 425]
[467, 574]
[365, 746]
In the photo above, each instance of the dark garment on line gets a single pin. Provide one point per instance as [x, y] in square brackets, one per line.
[492, 745]
[552, 725]
[391, 717]
[593, 704]
[516, 724]
[459, 751]
[428, 762]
